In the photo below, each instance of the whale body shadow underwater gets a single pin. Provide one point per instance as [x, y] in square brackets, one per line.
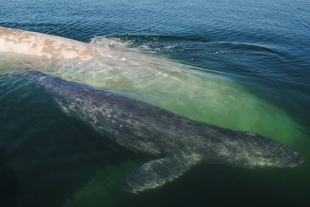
[176, 142]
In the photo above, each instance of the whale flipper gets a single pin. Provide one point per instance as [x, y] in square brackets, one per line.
[158, 172]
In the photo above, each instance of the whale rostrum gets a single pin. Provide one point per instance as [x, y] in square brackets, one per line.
[177, 143]
[47, 46]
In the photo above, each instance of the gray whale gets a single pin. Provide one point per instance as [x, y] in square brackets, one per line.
[148, 78]
[176, 142]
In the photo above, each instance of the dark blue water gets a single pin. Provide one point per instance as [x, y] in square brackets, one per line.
[50, 159]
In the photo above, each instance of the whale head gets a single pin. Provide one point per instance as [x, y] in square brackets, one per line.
[249, 150]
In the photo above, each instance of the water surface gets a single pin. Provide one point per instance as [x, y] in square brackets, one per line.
[242, 65]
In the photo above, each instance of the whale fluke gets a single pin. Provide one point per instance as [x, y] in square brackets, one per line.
[177, 143]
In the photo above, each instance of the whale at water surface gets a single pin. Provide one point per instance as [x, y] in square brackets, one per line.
[47, 46]
[176, 142]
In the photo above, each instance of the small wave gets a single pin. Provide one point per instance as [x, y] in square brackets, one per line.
[112, 42]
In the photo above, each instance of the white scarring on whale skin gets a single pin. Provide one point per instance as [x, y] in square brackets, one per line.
[47, 46]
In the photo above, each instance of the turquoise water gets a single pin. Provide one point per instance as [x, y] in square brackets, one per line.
[241, 65]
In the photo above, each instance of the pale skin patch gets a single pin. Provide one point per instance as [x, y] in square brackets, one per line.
[47, 46]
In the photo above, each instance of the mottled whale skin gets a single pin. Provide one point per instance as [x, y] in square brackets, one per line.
[47, 46]
[176, 142]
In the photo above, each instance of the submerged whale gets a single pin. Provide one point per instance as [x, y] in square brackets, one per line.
[176, 142]
[47, 46]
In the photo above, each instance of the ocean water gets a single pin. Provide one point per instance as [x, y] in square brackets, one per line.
[238, 64]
